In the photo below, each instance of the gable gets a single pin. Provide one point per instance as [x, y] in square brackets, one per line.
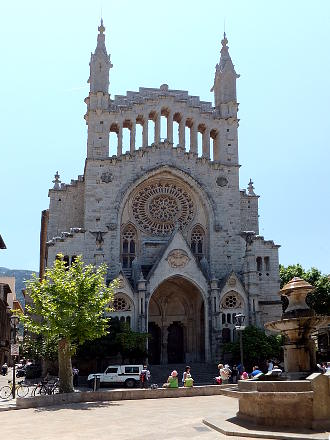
[177, 260]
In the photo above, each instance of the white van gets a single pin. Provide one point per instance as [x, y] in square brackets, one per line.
[129, 375]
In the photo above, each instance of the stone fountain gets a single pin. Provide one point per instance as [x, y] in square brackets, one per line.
[297, 324]
[303, 402]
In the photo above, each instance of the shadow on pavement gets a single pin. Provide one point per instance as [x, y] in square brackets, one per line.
[83, 406]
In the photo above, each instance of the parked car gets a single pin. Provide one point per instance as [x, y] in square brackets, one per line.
[129, 375]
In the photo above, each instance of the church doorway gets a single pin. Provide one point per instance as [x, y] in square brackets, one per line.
[175, 346]
[176, 323]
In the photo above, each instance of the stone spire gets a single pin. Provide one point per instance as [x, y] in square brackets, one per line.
[224, 86]
[100, 65]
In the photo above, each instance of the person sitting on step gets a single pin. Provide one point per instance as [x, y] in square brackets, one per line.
[187, 380]
[172, 381]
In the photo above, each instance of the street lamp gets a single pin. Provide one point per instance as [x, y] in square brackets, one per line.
[239, 321]
[14, 320]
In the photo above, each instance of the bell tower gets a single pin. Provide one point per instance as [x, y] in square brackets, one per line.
[98, 101]
[225, 102]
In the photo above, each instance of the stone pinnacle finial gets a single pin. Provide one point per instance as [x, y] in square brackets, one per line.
[224, 41]
[56, 181]
[101, 28]
[251, 188]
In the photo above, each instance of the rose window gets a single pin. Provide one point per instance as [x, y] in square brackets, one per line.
[231, 301]
[163, 208]
[120, 304]
[159, 206]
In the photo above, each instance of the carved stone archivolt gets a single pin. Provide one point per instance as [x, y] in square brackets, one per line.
[177, 258]
[161, 204]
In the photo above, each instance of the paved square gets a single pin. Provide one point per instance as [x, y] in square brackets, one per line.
[131, 419]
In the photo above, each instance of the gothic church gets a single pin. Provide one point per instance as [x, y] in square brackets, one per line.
[167, 217]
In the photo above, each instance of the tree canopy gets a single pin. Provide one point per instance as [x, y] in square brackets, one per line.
[258, 347]
[319, 299]
[69, 305]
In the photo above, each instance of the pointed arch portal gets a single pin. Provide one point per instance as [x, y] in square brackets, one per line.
[176, 323]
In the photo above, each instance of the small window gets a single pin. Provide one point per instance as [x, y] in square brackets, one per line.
[101, 122]
[267, 266]
[229, 145]
[223, 318]
[131, 370]
[259, 264]
[229, 318]
[73, 258]
[227, 130]
[111, 370]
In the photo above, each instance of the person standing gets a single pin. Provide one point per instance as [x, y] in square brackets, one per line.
[75, 373]
[224, 375]
[4, 369]
[270, 365]
[234, 374]
[144, 377]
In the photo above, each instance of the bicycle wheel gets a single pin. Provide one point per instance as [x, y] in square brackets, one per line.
[22, 390]
[43, 390]
[36, 391]
[5, 392]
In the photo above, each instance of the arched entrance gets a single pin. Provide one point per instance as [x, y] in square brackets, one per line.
[176, 323]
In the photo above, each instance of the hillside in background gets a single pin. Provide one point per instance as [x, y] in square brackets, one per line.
[20, 277]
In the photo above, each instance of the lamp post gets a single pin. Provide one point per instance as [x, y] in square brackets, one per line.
[240, 318]
[14, 322]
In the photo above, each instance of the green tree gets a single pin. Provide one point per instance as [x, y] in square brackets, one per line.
[257, 346]
[132, 345]
[36, 347]
[69, 305]
[319, 299]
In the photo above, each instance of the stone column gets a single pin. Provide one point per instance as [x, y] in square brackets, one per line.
[157, 129]
[164, 337]
[182, 133]
[132, 137]
[193, 139]
[216, 153]
[206, 143]
[120, 140]
[145, 133]
[169, 130]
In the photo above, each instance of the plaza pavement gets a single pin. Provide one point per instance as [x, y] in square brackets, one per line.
[154, 419]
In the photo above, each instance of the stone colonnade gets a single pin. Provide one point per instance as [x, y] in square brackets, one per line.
[171, 117]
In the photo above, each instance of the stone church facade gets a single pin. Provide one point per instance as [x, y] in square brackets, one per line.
[167, 216]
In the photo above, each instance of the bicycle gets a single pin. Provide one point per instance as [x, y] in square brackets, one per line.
[6, 391]
[46, 387]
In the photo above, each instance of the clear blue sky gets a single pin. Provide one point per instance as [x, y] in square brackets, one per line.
[281, 50]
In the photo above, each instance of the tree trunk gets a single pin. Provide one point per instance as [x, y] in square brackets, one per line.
[65, 366]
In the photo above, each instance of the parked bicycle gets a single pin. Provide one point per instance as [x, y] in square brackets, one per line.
[46, 387]
[22, 390]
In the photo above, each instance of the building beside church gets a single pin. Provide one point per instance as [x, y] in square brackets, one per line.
[165, 212]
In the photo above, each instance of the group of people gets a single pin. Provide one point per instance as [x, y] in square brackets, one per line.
[172, 380]
[237, 372]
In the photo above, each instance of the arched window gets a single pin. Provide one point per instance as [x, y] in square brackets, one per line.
[259, 264]
[197, 243]
[128, 250]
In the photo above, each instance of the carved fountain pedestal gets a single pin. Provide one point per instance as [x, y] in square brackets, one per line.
[297, 324]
